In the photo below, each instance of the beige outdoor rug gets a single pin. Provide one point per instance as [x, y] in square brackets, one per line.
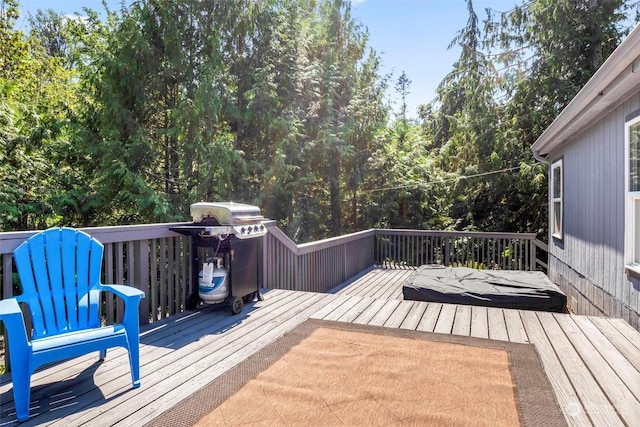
[331, 374]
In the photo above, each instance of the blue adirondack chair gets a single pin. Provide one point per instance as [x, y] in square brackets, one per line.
[59, 272]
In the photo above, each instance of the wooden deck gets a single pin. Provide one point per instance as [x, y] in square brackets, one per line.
[592, 363]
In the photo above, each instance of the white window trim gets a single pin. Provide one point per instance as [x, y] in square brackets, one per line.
[631, 258]
[553, 200]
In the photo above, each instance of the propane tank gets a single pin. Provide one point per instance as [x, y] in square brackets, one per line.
[213, 287]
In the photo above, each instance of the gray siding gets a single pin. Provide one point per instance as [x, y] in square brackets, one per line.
[589, 262]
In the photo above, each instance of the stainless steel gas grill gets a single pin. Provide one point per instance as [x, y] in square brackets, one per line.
[225, 246]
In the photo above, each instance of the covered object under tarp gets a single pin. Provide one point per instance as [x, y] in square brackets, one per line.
[523, 290]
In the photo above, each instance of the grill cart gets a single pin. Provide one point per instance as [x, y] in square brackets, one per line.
[226, 244]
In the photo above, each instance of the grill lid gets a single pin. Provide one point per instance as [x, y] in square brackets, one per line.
[210, 219]
[226, 213]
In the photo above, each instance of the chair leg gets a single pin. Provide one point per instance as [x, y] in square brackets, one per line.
[103, 354]
[134, 363]
[21, 378]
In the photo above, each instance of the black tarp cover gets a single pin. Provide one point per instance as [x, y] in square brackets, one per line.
[524, 290]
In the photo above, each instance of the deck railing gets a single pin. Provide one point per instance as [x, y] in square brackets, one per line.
[158, 261]
[150, 257]
[500, 251]
[317, 266]
[323, 265]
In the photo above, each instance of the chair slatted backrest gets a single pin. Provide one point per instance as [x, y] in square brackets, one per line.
[59, 272]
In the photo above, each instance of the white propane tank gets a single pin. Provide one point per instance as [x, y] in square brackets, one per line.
[213, 287]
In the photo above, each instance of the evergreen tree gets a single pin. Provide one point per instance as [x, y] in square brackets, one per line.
[34, 90]
[402, 87]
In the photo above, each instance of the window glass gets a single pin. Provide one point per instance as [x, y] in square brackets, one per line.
[634, 158]
[632, 209]
[557, 189]
[556, 199]
[636, 244]
[557, 218]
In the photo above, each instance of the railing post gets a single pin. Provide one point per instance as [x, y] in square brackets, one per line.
[141, 277]
[532, 254]
[297, 272]
[446, 251]
[344, 262]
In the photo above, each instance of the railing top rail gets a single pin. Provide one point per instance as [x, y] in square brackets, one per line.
[281, 236]
[9, 241]
[436, 233]
[541, 245]
[306, 248]
[333, 241]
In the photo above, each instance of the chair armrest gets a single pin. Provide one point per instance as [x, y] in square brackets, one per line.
[123, 291]
[9, 307]
[131, 297]
[11, 315]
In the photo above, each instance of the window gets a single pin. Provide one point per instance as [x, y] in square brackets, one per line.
[632, 192]
[556, 199]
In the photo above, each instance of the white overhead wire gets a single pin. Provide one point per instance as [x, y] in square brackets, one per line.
[444, 181]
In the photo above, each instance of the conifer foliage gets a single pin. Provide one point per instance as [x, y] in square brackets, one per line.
[129, 116]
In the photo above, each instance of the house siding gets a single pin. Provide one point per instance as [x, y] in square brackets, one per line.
[588, 263]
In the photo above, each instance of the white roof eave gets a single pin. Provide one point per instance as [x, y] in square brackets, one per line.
[615, 79]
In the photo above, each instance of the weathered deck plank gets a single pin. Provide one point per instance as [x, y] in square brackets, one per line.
[384, 313]
[366, 316]
[462, 322]
[430, 317]
[398, 316]
[622, 366]
[497, 325]
[447, 316]
[625, 404]
[565, 393]
[414, 316]
[359, 285]
[593, 399]
[618, 340]
[593, 364]
[344, 308]
[515, 328]
[356, 310]
[479, 322]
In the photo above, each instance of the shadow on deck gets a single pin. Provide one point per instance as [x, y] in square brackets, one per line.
[593, 363]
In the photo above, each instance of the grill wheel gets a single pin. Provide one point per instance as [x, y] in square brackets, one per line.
[236, 305]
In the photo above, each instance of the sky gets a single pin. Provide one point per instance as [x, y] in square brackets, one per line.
[409, 35]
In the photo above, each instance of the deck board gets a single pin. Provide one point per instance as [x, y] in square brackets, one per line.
[356, 310]
[625, 404]
[430, 317]
[447, 316]
[368, 314]
[593, 399]
[515, 328]
[462, 321]
[344, 308]
[497, 325]
[593, 363]
[618, 340]
[479, 322]
[624, 368]
[414, 316]
[558, 377]
[400, 313]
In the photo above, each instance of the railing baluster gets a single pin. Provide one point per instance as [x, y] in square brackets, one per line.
[166, 268]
